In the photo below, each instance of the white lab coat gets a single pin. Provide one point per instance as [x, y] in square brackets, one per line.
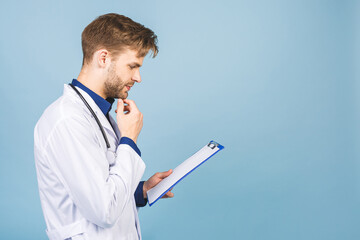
[86, 191]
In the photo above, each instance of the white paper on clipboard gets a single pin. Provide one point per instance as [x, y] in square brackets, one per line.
[183, 170]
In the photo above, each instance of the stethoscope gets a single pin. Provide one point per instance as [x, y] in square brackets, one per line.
[93, 114]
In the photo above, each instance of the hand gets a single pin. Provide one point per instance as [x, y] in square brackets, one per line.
[131, 122]
[154, 180]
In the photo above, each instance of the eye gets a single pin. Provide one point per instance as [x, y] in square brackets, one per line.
[132, 66]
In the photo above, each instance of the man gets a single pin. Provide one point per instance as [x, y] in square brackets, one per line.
[88, 165]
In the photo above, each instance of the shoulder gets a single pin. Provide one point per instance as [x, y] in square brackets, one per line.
[65, 112]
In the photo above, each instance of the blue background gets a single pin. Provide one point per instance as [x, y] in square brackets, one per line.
[275, 82]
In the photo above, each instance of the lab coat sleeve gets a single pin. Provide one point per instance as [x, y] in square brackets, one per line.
[98, 189]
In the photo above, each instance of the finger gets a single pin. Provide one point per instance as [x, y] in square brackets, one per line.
[126, 108]
[131, 103]
[168, 195]
[164, 174]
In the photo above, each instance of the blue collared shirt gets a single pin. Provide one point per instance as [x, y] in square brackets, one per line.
[105, 107]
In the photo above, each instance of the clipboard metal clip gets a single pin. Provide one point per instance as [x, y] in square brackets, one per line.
[213, 144]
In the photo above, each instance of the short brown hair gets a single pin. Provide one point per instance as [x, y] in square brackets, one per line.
[115, 32]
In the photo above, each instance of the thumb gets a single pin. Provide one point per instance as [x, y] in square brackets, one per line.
[120, 107]
[165, 174]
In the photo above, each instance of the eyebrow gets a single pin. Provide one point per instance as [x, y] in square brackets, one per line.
[136, 64]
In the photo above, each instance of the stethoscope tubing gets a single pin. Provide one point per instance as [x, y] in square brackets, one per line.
[94, 115]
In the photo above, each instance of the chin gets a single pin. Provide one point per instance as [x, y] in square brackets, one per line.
[124, 96]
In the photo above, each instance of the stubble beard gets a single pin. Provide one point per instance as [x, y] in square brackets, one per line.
[114, 85]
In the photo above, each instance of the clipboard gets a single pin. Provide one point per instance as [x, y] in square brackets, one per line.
[182, 170]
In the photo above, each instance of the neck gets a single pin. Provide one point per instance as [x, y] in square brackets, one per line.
[92, 80]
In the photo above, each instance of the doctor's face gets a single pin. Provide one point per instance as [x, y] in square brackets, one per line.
[123, 72]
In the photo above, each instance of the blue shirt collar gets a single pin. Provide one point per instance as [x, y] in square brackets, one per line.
[104, 105]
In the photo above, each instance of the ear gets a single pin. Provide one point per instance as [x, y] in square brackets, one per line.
[102, 58]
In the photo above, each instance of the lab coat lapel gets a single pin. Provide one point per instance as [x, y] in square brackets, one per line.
[103, 120]
[115, 127]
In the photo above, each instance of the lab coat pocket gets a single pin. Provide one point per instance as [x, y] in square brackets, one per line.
[72, 231]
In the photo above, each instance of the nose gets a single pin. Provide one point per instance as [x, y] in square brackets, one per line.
[136, 77]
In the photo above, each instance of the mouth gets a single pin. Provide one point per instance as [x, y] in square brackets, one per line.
[128, 88]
